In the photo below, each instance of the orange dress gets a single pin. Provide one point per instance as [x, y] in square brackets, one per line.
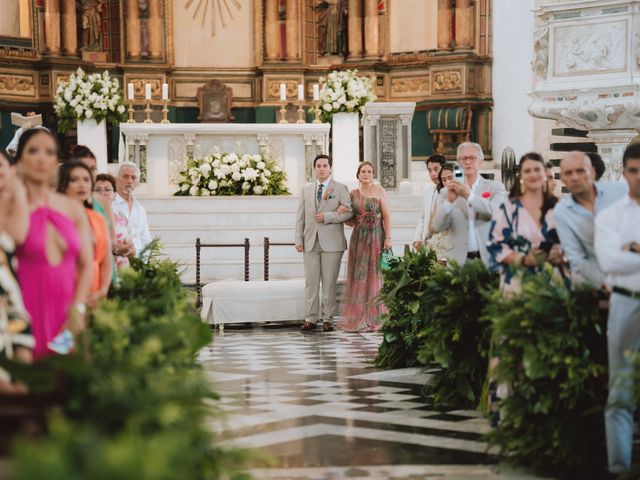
[100, 246]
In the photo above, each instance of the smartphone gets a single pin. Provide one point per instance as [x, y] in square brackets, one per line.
[458, 175]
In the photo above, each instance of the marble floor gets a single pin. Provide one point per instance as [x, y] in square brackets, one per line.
[315, 405]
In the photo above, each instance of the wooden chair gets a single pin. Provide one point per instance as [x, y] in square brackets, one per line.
[449, 124]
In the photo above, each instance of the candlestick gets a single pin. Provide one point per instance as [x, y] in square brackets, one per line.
[283, 92]
[300, 92]
[301, 118]
[130, 92]
[165, 112]
[316, 112]
[316, 92]
[165, 91]
[147, 91]
[283, 113]
[131, 112]
[147, 111]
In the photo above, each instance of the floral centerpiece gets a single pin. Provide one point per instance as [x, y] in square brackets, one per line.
[344, 92]
[232, 174]
[89, 97]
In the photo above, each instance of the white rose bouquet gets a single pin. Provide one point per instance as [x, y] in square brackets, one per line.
[230, 174]
[344, 92]
[97, 96]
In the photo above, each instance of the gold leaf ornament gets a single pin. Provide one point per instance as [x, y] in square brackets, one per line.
[217, 11]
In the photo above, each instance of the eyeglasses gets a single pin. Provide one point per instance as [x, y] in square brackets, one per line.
[468, 158]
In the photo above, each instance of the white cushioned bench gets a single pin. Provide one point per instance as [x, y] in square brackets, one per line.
[235, 301]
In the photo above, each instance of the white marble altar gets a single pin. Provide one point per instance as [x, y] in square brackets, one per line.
[160, 149]
[345, 146]
[587, 71]
[387, 142]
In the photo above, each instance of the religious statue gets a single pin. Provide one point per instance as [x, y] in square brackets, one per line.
[333, 27]
[91, 24]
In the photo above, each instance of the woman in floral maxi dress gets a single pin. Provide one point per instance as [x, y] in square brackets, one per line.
[361, 309]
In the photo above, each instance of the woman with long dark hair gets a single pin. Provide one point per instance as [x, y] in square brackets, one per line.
[54, 260]
[441, 242]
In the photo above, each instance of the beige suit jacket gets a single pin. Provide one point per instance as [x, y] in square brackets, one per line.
[488, 197]
[330, 234]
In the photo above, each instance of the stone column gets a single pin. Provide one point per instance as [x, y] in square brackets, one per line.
[445, 22]
[272, 30]
[611, 145]
[52, 26]
[355, 28]
[69, 28]
[464, 24]
[155, 29]
[293, 30]
[371, 28]
[133, 29]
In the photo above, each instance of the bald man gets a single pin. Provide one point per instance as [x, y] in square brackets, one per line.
[575, 214]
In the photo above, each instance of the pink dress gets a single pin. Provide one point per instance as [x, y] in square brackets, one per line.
[361, 309]
[48, 290]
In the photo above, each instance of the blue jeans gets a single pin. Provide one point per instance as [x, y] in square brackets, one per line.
[623, 341]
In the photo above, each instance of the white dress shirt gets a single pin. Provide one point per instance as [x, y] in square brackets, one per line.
[448, 206]
[137, 218]
[617, 226]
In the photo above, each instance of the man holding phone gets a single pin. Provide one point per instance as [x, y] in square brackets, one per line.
[468, 204]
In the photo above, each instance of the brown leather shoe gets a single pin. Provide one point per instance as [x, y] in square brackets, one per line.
[307, 326]
[327, 327]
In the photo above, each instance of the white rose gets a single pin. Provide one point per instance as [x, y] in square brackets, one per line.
[193, 190]
[257, 190]
[184, 187]
[224, 183]
[246, 186]
[218, 173]
[225, 169]
[256, 158]
[250, 174]
[68, 95]
[79, 110]
[277, 168]
[205, 168]
[88, 114]
[267, 173]
[205, 192]
[336, 105]
[260, 166]
[193, 172]
[327, 106]
[246, 157]
[235, 167]
[213, 185]
[216, 164]
[120, 108]
[236, 176]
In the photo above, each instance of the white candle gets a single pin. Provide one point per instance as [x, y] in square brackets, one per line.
[300, 92]
[283, 92]
[165, 91]
[147, 91]
[316, 92]
[130, 92]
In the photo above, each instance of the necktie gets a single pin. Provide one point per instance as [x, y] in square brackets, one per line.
[319, 194]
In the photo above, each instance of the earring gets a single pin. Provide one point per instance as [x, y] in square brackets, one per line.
[522, 187]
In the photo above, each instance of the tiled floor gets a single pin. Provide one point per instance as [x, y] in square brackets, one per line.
[315, 404]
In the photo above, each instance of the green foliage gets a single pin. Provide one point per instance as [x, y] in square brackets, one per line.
[402, 293]
[137, 404]
[552, 349]
[453, 337]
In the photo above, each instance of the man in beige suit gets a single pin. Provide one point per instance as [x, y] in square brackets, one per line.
[320, 236]
[466, 207]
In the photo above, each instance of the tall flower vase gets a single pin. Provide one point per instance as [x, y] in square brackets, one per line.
[94, 136]
[345, 139]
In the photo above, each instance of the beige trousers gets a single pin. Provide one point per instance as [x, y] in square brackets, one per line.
[320, 266]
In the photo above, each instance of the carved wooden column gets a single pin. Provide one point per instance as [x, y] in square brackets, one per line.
[155, 29]
[445, 22]
[355, 28]
[52, 26]
[69, 28]
[133, 29]
[464, 24]
[272, 30]
[293, 30]
[371, 28]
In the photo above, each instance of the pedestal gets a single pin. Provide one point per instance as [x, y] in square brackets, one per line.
[94, 136]
[345, 137]
[611, 145]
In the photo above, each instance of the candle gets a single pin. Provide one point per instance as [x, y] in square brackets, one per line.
[165, 91]
[130, 92]
[316, 92]
[300, 92]
[283, 92]
[147, 91]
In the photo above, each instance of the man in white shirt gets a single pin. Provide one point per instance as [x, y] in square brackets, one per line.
[421, 234]
[467, 207]
[125, 203]
[617, 245]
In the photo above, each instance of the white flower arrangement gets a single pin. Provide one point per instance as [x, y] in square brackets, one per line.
[96, 96]
[230, 174]
[344, 91]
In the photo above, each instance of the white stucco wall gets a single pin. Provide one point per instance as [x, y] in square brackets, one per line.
[513, 23]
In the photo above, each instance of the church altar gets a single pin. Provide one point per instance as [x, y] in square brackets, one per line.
[160, 149]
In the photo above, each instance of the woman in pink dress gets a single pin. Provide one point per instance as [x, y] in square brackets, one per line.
[54, 261]
[371, 224]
